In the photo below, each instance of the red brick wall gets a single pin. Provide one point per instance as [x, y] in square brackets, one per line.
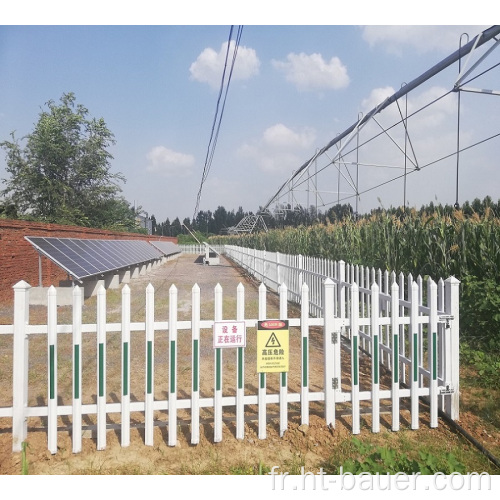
[19, 259]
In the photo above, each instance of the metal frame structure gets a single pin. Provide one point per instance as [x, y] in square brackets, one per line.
[346, 159]
[249, 224]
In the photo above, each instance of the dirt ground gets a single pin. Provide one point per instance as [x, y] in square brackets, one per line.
[307, 446]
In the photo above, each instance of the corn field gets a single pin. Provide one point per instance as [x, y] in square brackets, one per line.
[426, 244]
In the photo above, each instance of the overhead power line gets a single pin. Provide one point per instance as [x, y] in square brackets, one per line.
[219, 110]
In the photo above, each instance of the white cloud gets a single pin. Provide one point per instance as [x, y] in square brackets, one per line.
[209, 66]
[441, 111]
[422, 38]
[312, 72]
[279, 149]
[169, 163]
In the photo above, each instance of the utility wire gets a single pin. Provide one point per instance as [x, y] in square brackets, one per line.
[216, 124]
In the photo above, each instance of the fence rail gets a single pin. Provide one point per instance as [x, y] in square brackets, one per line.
[404, 333]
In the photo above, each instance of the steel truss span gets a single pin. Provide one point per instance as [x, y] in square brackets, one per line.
[394, 139]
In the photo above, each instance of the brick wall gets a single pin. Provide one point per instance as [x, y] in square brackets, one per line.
[19, 260]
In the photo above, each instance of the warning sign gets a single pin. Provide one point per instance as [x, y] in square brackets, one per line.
[272, 346]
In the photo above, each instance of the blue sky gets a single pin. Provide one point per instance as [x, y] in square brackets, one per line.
[156, 87]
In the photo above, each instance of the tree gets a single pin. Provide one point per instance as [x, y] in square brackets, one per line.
[61, 173]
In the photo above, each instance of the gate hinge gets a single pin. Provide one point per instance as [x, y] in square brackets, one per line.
[335, 383]
[335, 337]
[446, 389]
[446, 318]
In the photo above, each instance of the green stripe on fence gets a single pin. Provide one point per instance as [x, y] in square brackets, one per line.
[375, 359]
[173, 382]
[218, 369]
[305, 357]
[101, 369]
[355, 355]
[52, 371]
[434, 356]
[283, 379]
[415, 357]
[195, 364]
[76, 371]
[262, 380]
[149, 388]
[125, 369]
[395, 360]
[240, 367]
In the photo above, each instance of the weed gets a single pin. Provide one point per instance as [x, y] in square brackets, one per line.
[382, 459]
[24, 459]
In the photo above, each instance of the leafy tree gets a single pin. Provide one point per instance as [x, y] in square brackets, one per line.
[61, 172]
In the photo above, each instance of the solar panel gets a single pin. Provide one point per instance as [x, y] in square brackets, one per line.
[83, 258]
[167, 247]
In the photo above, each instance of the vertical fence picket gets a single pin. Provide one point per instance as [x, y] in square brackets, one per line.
[375, 327]
[433, 352]
[414, 365]
[149, 392]
[283, 292]
[452, 286]
[262, 376]
[77, 370]
[125, 419]
[304, 327]
[240, 367]
[402, 349]
[441, 342]
[195, 363]
[172, 365]
[52, 369]
[328, 329]
[101, 368]
[20, 365]
[355, 358]
[395, 367]
[362, 284]
[420, 282]
[218, 371]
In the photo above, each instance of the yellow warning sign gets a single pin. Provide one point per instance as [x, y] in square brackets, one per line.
[272, 346]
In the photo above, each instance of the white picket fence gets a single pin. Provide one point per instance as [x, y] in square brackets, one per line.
[408, 327]
[409, 333]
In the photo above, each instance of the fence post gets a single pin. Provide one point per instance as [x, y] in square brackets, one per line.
[304, 327]
[452, 287]
[195, 356]
[262, 431]
[149, 354]
[125, 435]
[355, 358]
[218, 371]
[329, 326]
[52, 369]
[283, 292]
[375, 343]
[301, 277]
[77, 369]
[240, 391]
[20, 365]
[172, 359]
[101, 368]
[395, 365]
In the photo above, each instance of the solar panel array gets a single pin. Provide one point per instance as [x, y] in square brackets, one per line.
[82, 258]
[166, 247]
